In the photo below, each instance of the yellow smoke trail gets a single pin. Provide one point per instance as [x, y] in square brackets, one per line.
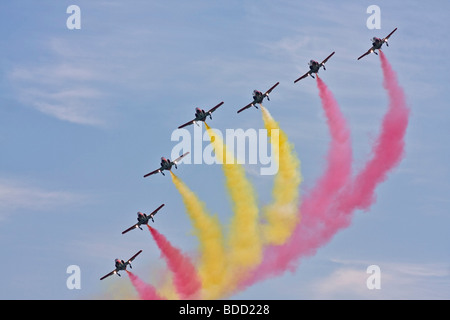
[244, 239]
[167, 289]
[212, 270]
[120, 290]
[282, 215]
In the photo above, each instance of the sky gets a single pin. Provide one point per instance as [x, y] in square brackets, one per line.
[85, 113]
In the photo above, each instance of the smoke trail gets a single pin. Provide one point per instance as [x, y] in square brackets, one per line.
[145, 291]
[186, 280]
[316, 202]
[329, 206]
[165, 284]
[387, 152]
[281, 214]
[213, 270]
[339, 160]
[244, 236]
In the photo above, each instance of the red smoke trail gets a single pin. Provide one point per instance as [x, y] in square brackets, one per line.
[388, 149]
[387, 152]
[315, 204]
[339, 160]
[145, 291]
[186, 280]
[318, 227]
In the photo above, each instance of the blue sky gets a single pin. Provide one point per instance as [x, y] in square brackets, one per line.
[85, 113]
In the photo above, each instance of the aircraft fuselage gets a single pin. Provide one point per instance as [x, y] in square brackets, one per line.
[200, 114]
[166, 164]
[376, 43]
[142, 218]
[120, 265]
[314, 66]
[258, 97]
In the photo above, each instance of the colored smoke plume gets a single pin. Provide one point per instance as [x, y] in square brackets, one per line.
[250, 255]
[306, 236]
[244, 239]
[213, 269]
[281, 214]
[145, 291]
[185, 276]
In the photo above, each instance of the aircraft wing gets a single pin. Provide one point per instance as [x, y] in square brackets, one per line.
[109, 274]
[246, 107]
[179, 158]
[153, 172]
[133, 257]
[302, 77]
[186, 124]
[215, 108]
[326, 59]
[130, 228]
[390, 34]
[365, 54]
[156, 210]
[273, 87]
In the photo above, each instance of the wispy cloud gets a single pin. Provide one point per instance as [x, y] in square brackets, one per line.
[398, 281]
[61, 91]
[52, 74]
[15, 196]
[343, 283]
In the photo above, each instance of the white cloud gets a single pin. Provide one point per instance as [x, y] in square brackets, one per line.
[398, 281]
[70, 86]
[61, 91]
[70, 111]
[52, 74]
[16, 196]
[342, 283]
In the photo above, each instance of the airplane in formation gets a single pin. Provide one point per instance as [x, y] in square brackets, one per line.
[314, 67]
[377, 43]
[121, 265]
[201, 115]
[258, 97]
[143, 219]
[166, 164]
